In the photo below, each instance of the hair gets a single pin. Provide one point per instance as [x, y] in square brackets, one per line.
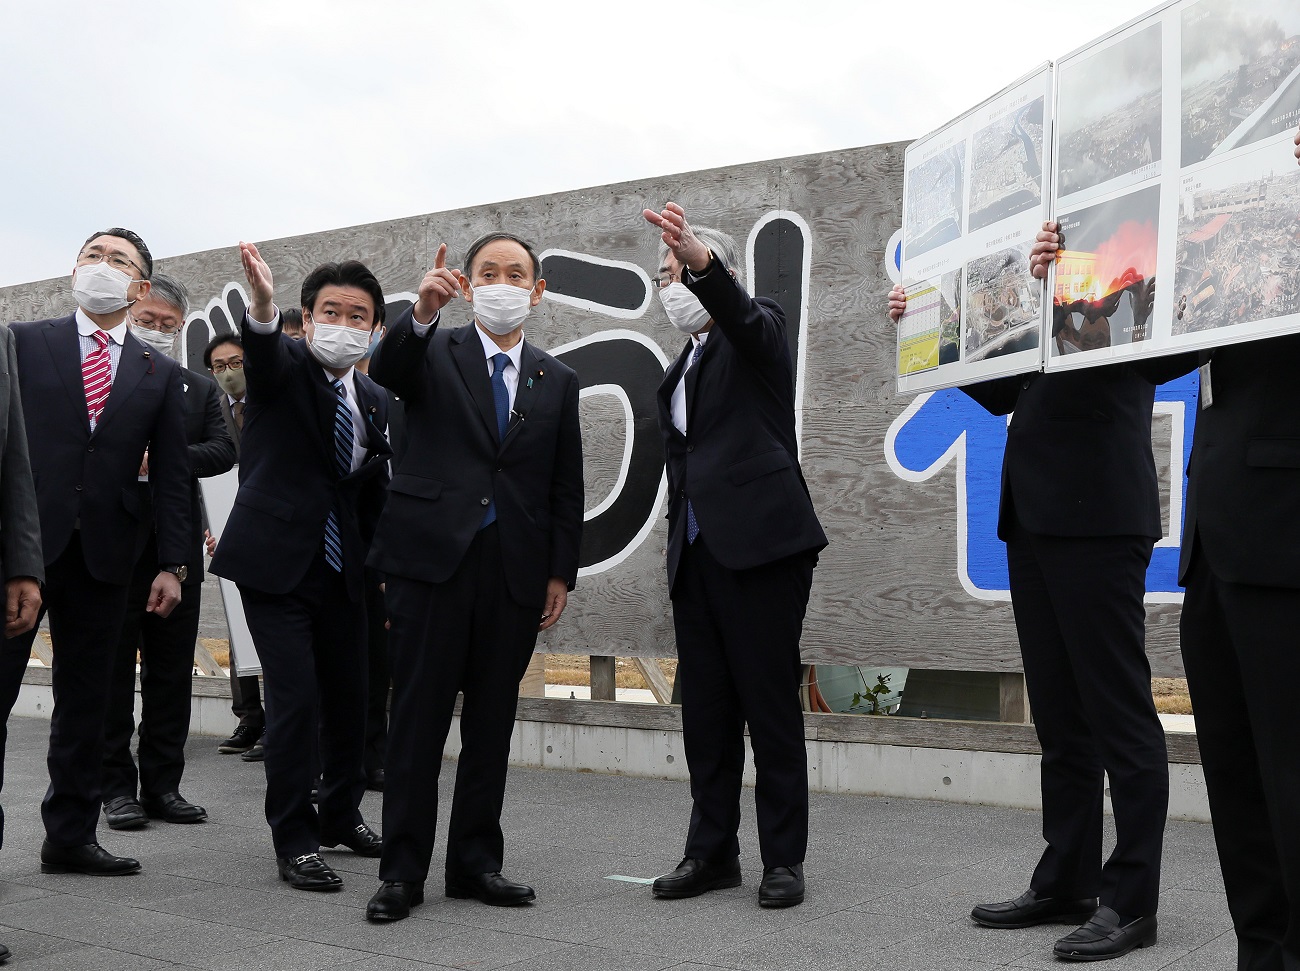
[482, 241]
[291, 319]
[349, 273]
[171, 291]
[724, 250]
[217, 342]
[134, 239]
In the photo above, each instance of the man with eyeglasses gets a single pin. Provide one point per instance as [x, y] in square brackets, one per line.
[94, 399]
[165, 644]
[224, 358]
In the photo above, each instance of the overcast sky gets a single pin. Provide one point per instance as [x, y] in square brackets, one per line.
[200, 123]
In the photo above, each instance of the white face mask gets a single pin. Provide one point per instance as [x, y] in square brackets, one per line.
[100, 289]
[337, 345]
[164, 344]
[684, 310]
[501, 307]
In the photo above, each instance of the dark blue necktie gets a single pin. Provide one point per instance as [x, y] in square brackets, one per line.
[343, 438]
[692, 527]
[501, 399]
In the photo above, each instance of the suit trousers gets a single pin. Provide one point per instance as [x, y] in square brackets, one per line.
[166, 648]
[86, 617]
[1239, 651]
[1078, 604]
[738, 654]
[312, 643]
[378, 679]
[246, 699]
[468, 635]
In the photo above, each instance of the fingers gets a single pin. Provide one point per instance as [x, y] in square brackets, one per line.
[897, 302]
[653, 217]
[557, 596]
[440, 260]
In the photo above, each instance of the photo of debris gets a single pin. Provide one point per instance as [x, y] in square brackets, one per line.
[1002, 305]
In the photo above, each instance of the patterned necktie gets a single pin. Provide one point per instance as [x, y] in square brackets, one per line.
[692, 527]
[237, 413]
[501, 399]
[343, 438]
[97, 375]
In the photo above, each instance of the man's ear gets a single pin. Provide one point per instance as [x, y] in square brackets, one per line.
[536, 296]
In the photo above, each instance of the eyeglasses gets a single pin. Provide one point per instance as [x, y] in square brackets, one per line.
[666, 279]
[116, 260]
[232, 366]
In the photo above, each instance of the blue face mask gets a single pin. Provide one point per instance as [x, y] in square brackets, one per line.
[374, 342]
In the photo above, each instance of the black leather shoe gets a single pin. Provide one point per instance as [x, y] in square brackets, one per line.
[363, 841]
[91, 859]
[491, 888]
[256, 753]
[1103, 937]
[394, 900]
[172, 807]
[308, 872]
[694, 877]
[782, 886]
[124, 812]
[4, 954]
[1030, 910]
[375, 780]
[241, 739]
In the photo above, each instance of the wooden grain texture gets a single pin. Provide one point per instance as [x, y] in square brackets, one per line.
[887, 589]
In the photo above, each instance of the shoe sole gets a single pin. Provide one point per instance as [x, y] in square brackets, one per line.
[1076, 919]
[232, 750]
[1071, 956]
[724, 883]
[780, 901]
[61, 868]
[140, 823]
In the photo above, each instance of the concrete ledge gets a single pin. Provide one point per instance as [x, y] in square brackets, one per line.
[983, 763]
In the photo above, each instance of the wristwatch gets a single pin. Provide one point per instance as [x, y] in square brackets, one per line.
[182, 571]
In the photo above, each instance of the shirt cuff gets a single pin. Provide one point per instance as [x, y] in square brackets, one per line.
[422, 330]
[258, 327]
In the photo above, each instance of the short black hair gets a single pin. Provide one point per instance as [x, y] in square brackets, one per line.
[216, 342]
[349, 273]
[132, 238]
[291, 319]
[482, 241]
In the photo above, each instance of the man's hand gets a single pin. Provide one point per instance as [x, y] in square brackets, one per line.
[557, 595]
[1297, 146]
[897, 302]
[22, 604]
[210, 542]
[438, 288]
[679, 237]
[260, 284]
[164, 595]
[1045, 249]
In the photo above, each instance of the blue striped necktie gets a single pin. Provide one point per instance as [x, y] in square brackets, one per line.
[501, 399]
[692, 527]
[343, 439]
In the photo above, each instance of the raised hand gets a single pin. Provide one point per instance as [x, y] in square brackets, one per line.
[1043, 255]
[679, 237]
[897, 302]
[438, 288]
[261, 285]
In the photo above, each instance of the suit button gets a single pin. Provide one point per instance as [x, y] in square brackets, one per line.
[90, 448]
[78, 486]
[482, 502]
[690, 448]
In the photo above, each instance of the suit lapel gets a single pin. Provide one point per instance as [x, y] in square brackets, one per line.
[65, 349]
[693, 376]
[136, 361]
[376, 442]
[468, 355]
[531, 376]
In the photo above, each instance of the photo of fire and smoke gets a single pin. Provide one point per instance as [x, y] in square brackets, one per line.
[934, 201]
[1109, 112]
[1105, 273]
[1002, 305]
[1239, 243]
[1007, 166]
[1241, 74]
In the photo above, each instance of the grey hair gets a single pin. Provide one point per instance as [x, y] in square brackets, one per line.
[724, 249]
[171, 291]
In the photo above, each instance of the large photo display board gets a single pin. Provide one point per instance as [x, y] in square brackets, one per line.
[974, 195]
[1176, 187]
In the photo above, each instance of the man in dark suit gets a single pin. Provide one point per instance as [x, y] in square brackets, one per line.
[1080, 514]
[312, 469]
[479, 542]
[165, 644]
[224, 359]
[743, 541]
[95, 398]
[21, 564]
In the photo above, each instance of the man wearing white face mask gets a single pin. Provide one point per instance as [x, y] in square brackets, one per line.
[312, 468]
[165, 644]
[743, 540]
[479, 543]
[94, 398]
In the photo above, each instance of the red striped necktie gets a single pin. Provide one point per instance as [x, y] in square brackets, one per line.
[97, 375]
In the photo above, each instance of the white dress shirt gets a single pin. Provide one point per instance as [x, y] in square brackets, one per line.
[490, 348]
[86, 329]
[678, 403]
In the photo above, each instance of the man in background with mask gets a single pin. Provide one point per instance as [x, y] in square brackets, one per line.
[479, 543]
[165, 644]
[312, 467]
[743, 541]
[94, 399]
